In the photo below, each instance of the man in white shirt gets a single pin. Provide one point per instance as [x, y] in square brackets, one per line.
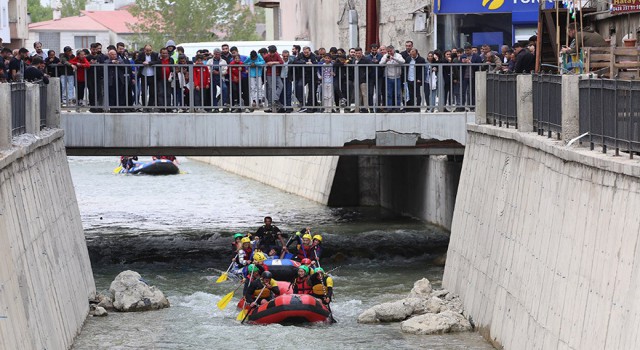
[393, 62]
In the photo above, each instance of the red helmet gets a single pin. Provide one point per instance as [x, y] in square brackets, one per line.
[306, 261]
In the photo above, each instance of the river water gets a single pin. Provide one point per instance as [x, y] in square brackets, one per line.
[175, 231]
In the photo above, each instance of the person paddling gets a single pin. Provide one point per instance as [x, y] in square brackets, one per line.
[262, 290]
[321, 285]
[301, 282]
[317, 248]
[305, 250]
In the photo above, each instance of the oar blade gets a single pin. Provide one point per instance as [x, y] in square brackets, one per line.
[242, 315]
[222, 304]
[223, 277]
[117, 170]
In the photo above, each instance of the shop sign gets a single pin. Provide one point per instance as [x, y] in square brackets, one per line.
[488, 6]
[625, 6]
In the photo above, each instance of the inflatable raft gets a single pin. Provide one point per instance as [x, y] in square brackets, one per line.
[283, 269]
[154, 167]
[290, 309]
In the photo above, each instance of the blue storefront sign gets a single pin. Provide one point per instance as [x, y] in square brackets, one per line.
[523, 11]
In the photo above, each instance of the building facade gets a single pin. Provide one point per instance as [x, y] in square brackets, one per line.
[13, 23]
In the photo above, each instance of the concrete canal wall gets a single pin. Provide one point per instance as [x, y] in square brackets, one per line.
[423, 187]
[544, 243]
[45, 273]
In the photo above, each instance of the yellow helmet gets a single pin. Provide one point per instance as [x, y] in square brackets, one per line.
[245, 240]
[318, 237]
[259, 256]
[308, 236]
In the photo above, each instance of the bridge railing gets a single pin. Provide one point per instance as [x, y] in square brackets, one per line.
[124, 87]
[501, 99]
[18, 108]
[610, 114]
[547, 104]
[25, 107]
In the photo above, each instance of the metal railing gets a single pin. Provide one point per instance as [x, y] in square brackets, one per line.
[547, 104]
[501, 99]
[43, 104]
[610, 113]
[18, 108]
[126, 87]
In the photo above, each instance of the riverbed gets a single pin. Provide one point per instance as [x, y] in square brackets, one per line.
[175, 231]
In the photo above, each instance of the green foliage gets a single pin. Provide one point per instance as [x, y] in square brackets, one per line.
[243, 27]
[72, 7]
[38, 12]
[180, 20]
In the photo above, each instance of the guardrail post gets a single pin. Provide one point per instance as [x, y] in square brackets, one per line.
[32, 108]
[570, 107]
[481, 97]
[524, 102]
[53, 103]
[5, 116]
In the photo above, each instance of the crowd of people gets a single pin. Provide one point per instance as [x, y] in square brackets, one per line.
[381, 78]
[268, 243]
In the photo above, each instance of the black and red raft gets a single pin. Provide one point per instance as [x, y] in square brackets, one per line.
[290, 309]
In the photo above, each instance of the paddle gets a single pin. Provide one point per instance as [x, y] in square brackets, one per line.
[324, 289]
[225, 275]
[117, 170]
[222, 304]
[316, 254]
[245, 312]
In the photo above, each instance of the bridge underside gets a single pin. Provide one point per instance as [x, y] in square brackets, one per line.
[260, 134]
[441, 149]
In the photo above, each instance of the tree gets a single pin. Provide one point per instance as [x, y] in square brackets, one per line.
[243, 28]
[72, 7]
[180, 20]
[38, 12]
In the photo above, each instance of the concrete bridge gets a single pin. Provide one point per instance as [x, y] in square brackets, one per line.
[265, 134]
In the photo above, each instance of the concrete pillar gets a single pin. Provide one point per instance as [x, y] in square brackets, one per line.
[524, 102]
[32, 108]
[53, 103]
[5, 116]
[570, 107]
[481, 97]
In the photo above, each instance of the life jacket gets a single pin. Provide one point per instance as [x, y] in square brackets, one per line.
[305, 251]
[320, 287]
[303, 286]
[266, 293]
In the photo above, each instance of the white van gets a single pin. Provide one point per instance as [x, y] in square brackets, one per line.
[244, 47]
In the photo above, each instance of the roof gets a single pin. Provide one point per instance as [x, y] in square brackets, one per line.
[66, 24]
[115, 21]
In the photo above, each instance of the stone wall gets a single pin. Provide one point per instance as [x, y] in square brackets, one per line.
[45, 273]
[543, 248]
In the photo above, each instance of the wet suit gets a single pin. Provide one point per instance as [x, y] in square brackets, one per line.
[253, 291]
[321, 287]
[268, 236]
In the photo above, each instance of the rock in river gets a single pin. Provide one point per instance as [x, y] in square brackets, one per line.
[129, 292]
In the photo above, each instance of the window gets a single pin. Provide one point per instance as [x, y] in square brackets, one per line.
[50, 41]
[83, 42]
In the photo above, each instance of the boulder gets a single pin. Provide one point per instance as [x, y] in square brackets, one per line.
[97, 311]
[104, 301]
[389, 312]
[130, 292]
[421, 289]
[434, 305]
[444, 322]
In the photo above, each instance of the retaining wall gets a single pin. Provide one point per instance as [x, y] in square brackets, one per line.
[544, 239]
[45, 273]
[308, 177]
